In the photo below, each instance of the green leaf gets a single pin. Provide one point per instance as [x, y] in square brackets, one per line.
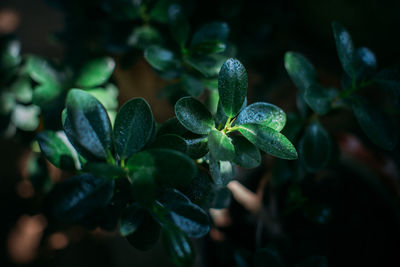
[315, 147]
[46, 94]
[196, 147]
[200, 189]
[161, 59]
[220, 145]
[375, 125]
[104, 170]
[142, 170]
[80, 196]
[232, 86]
[190, 218]
[146, 235]
[133, 127]
[7, 103]
[210, 47]
[10, 54]
[269, 140]
[171, 126]
[247, 155]
[192, 114]
[318, 98]
[222, 172]
[26, 118]
[170, 141]
[131, 218]
[41, 70]
[214, 31]
[262, 113]
[56, 150]
[159, 12]
[365, 63]
[178, 247]
[95, 72]
[345, 48]
[389, 79]
[179, 25]
[207, 65]
[108, 96]
[191, 85]
[89, 128]
[144, 36]
[22, 89]
[300, 70]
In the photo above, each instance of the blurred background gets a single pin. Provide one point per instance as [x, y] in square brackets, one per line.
[366, 226]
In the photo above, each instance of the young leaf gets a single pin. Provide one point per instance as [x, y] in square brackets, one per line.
[268, 140]
[192, 114]
[345, 48]
[262, 113]
[247, 154]
[211, 32]
[377, 127]
[79, 196]
[300, 70]
[131, 218]
[178, 247]
[133, 127]
[89, 127]
[55, 150]
[318, 98]
[232, 86]
[95, 72]
[142, 168]
[191, 85]
[161, 59]
[315, 147]
[220, 145]
[146, 235]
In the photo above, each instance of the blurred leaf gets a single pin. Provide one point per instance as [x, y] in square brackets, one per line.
[210, 47]
[179, 25]
[365, 63]
[55, 150]
[389, 79]
[79, 196]
[375, 125]
[95, 72]
[89, 128]
[220, 145]
[314, 261]
[222, 172]
[247, 154]
[214, 31]
[144, 36]
[232, 86]
[171, 126]
[146, 235]
[108, 96]
[170, 141]
[133, 127]
[300, 70]
[222, 198]
[159, 12]
[345, 48]
[22, 89]
[269, 140]
[192, 114]
[262, 113]
[178, 247]
[161, 59]
[207, 65]
[46, 94]
[7, 103]
[10, 54]
[26, 118]
[315, 147]
[191, 85]
[41, 70]
[318, 98]
[131, 218]
[267, 257]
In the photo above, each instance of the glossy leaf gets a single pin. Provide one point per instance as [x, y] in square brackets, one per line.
[222, 172]
[41, 70]
[89, 127]
[200, 189]
[192, 114]
[247, 155]
[318, 98]
[95, 72]
[56, 150]
[263, 113]
[191, 85]
[146, 235]
[178, 247]
[196, 147]
[160, 58]
[220, 145]
[79, 196]
[131, 218]
[315, 147]
[376, 126]
[133, 127]
[142, 169]
[105, 170]
[232, 86]
[269, 140]
[211, 32]
[345, 48]
[300, 70]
